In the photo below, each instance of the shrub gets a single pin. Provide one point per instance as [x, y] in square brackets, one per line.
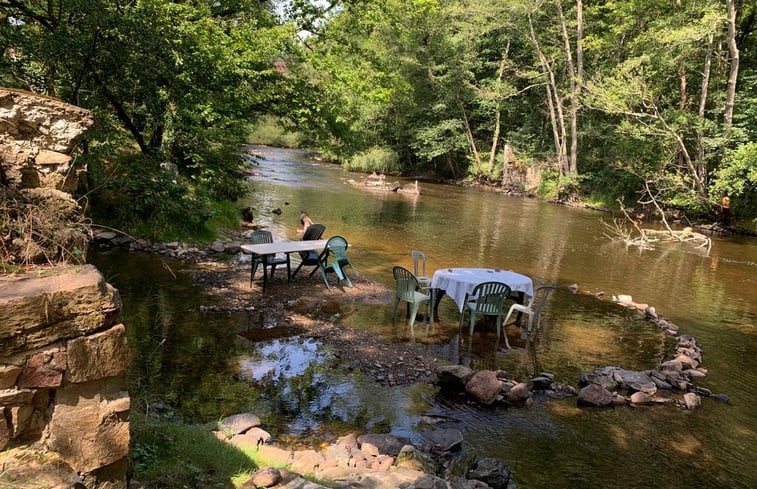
[133, 194]
[376, 159]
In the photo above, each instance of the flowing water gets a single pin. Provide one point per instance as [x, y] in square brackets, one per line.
[190, 360]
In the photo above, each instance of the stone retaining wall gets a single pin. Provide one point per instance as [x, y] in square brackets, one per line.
[63, 397]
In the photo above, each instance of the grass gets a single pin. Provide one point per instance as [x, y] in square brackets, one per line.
[176, 456]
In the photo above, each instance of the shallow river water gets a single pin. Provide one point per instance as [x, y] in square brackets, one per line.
[187, 359]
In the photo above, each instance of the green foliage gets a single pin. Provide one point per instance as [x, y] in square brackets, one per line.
[133, 194]
[269, 131]
[737, 179]
[382, 160]
[180, 456]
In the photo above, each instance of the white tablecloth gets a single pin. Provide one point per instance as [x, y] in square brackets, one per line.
[456, 282]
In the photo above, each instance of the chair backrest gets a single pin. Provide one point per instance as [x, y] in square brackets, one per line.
[313, 232]
[419, 259]
[406, 283]
[261, 237]
[489, 297]
[541, 294]
[337, 246]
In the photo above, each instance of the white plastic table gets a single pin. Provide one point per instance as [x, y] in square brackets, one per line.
[456, 282]
[283, 247]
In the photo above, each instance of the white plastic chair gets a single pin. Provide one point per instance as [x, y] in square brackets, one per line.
[419, 268]
[533, 308]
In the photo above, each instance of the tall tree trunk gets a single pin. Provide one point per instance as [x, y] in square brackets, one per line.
[733, 52]
[701, 165]
[554, 101]
[498, 115]
[572, 165]
[470, 138]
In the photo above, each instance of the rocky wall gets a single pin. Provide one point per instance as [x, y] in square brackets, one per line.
[37, 136]
[64, 407]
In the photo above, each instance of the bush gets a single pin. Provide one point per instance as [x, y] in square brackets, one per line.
[135, 195]
[376, 159]
[270, 132]
[737, 179]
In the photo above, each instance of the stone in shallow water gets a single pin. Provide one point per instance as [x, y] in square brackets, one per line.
[384, 443]
[491, 471]
[484, 386]
[444, 440]
[692, 400]
[595, 395]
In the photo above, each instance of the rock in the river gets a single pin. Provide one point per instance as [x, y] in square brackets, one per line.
[692, 400]
[491, 471]
[412, 458]
[444, 440]
[385, 444]
[641, 398]
[455, 376]
[595, 395]
[484, 386]
[518, 394]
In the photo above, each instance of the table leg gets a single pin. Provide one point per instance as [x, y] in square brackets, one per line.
[436, 297]
[265, 274]
[289, 270]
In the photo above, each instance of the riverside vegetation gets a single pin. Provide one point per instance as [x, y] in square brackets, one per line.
[603, 102]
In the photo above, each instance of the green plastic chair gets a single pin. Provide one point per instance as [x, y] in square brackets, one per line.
[485, 300]
[407, 290]
[310, 258]
[264, 237]
[336, 249]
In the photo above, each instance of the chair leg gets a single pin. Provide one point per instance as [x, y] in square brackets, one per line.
[504, 333]
[415, 311]
[297, 269]
[394, 310]
[509, 313]
[530, 323]
[462, 317]
[325, 279]
[255, 264]
[472, 323]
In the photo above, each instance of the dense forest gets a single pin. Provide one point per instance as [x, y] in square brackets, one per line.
[609, 100]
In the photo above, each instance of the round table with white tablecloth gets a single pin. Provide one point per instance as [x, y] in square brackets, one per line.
[456, 282]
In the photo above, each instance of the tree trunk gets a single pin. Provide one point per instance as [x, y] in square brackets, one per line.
[701, 165]
[471, 140]
[554, 101]
[498, 115]
[733, 52]
[572, 166]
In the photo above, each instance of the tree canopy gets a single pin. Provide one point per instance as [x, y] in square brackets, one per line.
[606, 98]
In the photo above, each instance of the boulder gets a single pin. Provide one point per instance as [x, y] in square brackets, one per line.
[484, 386]
[412, 458]
[595, 395]
[518, 394]
[455, 376]
[239, 423]
[692, 400]
[266, 477]
[491, 471]
[641, 398]
[385, 444]
[444, 440]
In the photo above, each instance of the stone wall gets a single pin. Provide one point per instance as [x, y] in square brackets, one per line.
[37, 136]
[64, 406]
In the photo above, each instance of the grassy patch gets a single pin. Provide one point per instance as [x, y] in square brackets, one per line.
[180, 456]
[382, 160]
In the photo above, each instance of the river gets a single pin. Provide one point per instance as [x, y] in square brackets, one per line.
[182, 355]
